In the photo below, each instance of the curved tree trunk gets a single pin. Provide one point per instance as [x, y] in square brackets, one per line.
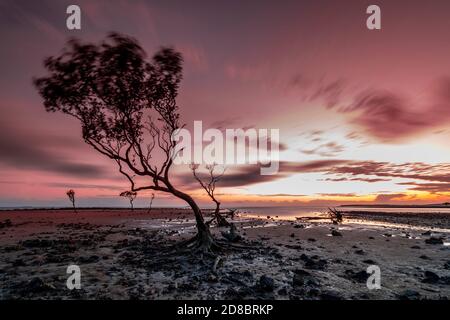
[204, 239]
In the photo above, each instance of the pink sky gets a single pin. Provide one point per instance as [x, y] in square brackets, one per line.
[364, 115]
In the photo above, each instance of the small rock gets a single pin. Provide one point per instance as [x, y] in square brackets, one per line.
[431, 277]
[434, 240]
[266, 283]
[330, 295]
[369, 261]
[7, 223]
[447, 265]
[336, 233]
[409, 295]
[424, 257]
[360, 276]
[18, 263]
[90, 259]
[303, 278]
[282, 292]
[360, 252]
[37, 285]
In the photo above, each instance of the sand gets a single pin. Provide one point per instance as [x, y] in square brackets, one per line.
[121, 256]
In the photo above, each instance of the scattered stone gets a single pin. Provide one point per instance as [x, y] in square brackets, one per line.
[5, 224]
[431, 277]
[336, 233]
[303, 278]
[91, 259]
[266, 283]
[212, 278]
[292, 235]
[434, 240]
[427, 233]
[313, 263]
[447, 265]
[409, 295]
[232, 235]
[18, 263]
[312, 240]
[37, 285]
[424, 257]
[299, 226]
[330, 295]
[416, 247]
[282, 292]
[369, 261]
[360, 252]
[360, 276]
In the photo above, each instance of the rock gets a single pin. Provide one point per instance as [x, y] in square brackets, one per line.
[434, 240]
[336, 233]
[369, 261]
[303, 278]
[37, 285]
[447, 265]
[424, 257]
[360, 252]
[292, 235]
[266, 283]
[91, 259]
[431, 277]
[312, 240]
[409, 295]
[7, 223]
[371, 238]
[18, 263]
[232, 293]
[330, 295]
[445, 280]
[299, 226]
[232, 235]
[37, 243]
[282, 292]
[360, 276]
[416, 247]
[313, 263]
[212, 278]
[427, 233]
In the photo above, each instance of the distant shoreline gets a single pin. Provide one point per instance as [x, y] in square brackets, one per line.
[27, 208]
[439, 206]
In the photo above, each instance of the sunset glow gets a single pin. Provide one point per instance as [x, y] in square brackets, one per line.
[363, 116]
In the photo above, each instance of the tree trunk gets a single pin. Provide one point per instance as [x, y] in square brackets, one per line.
[221, 221]
[203, 239]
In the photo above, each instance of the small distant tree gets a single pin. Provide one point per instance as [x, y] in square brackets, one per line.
[151, 202]
[71, 195]
[130, 195]
[209, 185]
[335, 216]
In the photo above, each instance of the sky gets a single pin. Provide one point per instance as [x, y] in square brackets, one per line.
[363, 114]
